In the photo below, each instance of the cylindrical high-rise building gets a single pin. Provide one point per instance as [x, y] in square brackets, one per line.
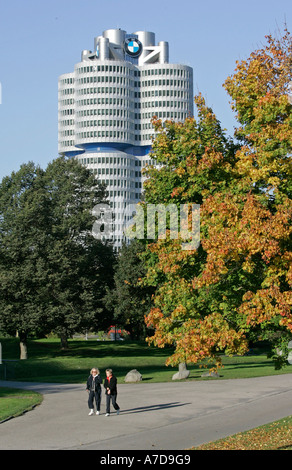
[106, 106]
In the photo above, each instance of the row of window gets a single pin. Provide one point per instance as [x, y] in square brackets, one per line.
[165, 104]
[124, 135]
[92, 101]
[98, 90]
[67, 143]
[116, 135]
[67, 102]
[131, 83]
[127, 91]
[179, 72]
[67, 91]
[168, 70]
[126, 117]
[127, 136]
[67, 122]
[174, 83]
[120, 113]
[103, 112]
[120, 194]
[179, 94]
[105, 68]
[107, 78]
[126, 124]
[104, 123]
[67, 81]
[67, 112]
[114, 171]
[116, 161]
[117, 182]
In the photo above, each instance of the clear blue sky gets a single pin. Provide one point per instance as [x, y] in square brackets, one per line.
[41, 40]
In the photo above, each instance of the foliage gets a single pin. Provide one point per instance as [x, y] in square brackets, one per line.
[53, 272]
[238, 282]
[22, 239]
[272, 436]
[128, 299]
[79, 267]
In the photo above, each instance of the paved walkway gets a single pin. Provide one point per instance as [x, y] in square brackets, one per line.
[164, 416]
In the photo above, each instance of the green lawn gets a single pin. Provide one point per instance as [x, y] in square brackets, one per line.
[14, 402]
[48, 363]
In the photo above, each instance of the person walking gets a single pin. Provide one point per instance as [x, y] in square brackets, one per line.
[110, 385]
[94, 391]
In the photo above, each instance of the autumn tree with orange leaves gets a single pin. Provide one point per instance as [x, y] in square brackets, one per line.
[237, 285]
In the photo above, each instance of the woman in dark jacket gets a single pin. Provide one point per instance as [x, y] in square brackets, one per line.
[94, 390]
[110, 385]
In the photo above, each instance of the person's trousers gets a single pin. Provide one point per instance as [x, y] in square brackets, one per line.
[114, 402]
[94, 395]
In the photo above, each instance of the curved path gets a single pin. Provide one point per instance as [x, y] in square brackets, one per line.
[163, 416]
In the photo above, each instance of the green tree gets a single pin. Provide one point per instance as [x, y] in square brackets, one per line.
[23, 215]
[128, 299]
[79, 266]
[53, 271]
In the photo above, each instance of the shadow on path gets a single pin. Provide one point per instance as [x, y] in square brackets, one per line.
[159, 407]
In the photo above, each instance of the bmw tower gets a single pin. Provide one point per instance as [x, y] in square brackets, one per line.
[106, 104]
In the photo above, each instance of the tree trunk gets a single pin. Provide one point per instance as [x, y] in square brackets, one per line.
[23, 345]
[64, 341]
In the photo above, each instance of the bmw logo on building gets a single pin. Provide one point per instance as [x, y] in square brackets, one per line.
[133, 47]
